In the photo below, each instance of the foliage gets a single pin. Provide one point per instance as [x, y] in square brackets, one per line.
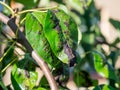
[65, 36]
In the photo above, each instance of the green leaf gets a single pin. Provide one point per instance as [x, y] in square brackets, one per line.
[8, 56]
[88, 38]
[40, 16]
[102, 66]
[76, 4]
[115, 23]
[62, 34]
[82, 78]
[15, 83]
[28, 4]
[23, 75]
[88, 2]
[50, 32]
[68, 27]
[104, 87]
[44, 82]
[79, 78]
[40, 88]
[34, 32]
[54, 36]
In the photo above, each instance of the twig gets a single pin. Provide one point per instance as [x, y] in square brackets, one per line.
[5, 5]
[104, 42]
[22, 40]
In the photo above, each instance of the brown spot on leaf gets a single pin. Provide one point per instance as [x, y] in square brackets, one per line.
[39, 32]
[27, 74]
[66, 32]
[66, 23]
[56, 11]
[68, 51]
[57, 27]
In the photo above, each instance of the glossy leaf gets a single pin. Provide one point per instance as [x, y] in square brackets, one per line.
[35, 35]
[102, 66]
[23, 75]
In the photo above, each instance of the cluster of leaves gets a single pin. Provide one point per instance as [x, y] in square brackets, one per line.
[55, 35]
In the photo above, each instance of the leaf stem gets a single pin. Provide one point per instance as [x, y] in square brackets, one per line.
[36, 9]
[8, 65]
[26, 11]
[22, 39]
[22, 20]
[5, 5]
[1, 83]
[7, 51]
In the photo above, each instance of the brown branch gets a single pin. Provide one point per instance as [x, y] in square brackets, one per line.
[22, 40]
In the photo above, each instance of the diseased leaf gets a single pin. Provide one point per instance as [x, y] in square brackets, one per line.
[62, 34]
[35, 35]
[68, 27]
[23, 75]
[54, 36]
